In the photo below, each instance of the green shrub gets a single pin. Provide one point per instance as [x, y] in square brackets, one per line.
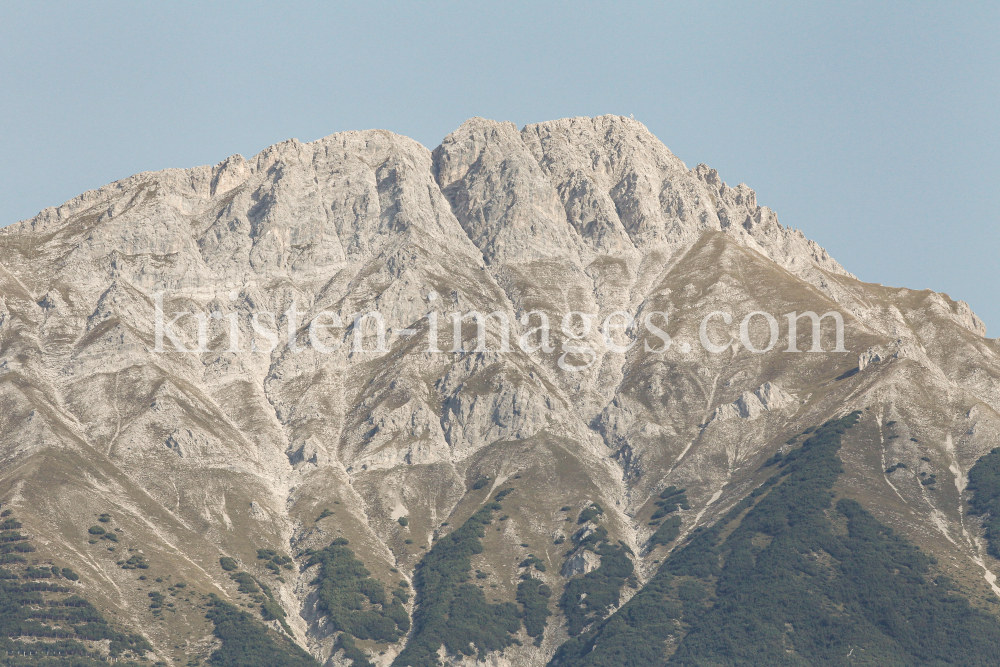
[774, 460]
[403, 521]
[270, 610]
[11, 536]
[533, 560]
[228, 564]
[590, 513]
[533, 597]
[667, 532]
[247, 584]
[274, 561]
[591, 541]
[357, 657]
[136, 562]
[273, 556]
[671, 499]
[37, 573]
[96, 530]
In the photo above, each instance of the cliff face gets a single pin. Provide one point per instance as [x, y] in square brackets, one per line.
[202, 442]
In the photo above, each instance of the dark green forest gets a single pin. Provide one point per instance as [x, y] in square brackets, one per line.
[590, 597]
[984, 482]
[38, 603]
[450, 610]
[247, 643]
[802, 579]
[353, 601]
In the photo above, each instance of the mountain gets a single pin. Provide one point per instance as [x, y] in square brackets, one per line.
[202, 420]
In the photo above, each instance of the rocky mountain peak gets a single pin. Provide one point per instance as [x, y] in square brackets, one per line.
[252, 371]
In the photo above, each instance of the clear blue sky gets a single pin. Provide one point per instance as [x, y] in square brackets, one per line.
[870, 126]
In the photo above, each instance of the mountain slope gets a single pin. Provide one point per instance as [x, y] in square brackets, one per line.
[223, 435]
[791, 576]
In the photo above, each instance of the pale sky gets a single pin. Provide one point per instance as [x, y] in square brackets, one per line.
[870, 126]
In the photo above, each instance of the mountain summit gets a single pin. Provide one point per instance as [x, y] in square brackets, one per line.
[535, 395]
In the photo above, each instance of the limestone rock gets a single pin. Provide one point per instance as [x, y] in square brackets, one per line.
[751, 405]
[581, 562]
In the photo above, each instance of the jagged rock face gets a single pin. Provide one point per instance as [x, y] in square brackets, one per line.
[231, 446]
[581, 562]
[751, 405]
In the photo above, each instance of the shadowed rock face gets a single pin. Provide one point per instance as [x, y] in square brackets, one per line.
[230, 448]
